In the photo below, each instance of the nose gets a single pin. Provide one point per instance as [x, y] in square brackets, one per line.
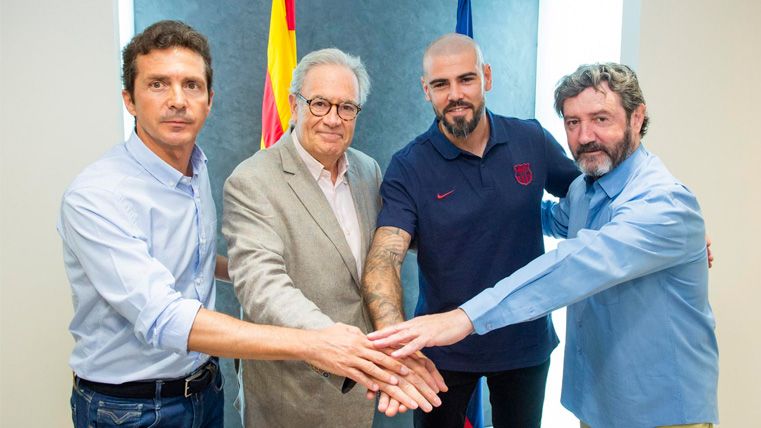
[332, 119]
[586, 133]
[455, 92]
[177, 98]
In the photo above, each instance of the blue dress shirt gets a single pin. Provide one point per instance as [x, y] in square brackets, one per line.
[640, 344]
[139, 248]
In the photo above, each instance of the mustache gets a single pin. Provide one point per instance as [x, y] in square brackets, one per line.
[176, 118]
[455, 104]
[591, 147]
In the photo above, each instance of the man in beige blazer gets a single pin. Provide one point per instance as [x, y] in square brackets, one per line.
[299, 218]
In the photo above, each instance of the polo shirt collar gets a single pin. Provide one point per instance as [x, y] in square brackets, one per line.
[613, 182]
[160, 170]
[449, 151]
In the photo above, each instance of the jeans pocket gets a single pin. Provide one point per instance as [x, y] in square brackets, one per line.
[122, 414]
[219, 382]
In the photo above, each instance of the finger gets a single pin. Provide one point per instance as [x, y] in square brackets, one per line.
[394, 340]
[439, 379]
[409, 349]
[399, 395]
[386, 331]
[360, 377]
[392, 409]
[420, 369]
[423, 389]
[383, 402]
[416, 395]
[370, 395]
[402, 408]
[383, 360]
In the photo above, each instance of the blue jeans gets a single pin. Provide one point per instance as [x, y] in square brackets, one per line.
[202, 410]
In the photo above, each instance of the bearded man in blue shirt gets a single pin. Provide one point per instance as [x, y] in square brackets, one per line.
[139, 237]
[641, 349]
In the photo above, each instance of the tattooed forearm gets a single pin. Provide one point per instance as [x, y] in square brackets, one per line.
[381, 280]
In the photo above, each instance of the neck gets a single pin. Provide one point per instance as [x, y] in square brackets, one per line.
[332, 167]
[475, 142]
[177, 157]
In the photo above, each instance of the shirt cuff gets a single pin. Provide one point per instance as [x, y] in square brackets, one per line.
[480, 311]
[177, 330]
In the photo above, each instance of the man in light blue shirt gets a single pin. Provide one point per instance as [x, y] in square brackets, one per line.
[640, 345]
[139, 236]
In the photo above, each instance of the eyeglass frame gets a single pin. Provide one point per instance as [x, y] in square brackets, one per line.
[338, 110]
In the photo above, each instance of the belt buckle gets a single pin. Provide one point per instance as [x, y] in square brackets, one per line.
[191, 378]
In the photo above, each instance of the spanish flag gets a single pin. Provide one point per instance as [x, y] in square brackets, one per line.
[281, 60]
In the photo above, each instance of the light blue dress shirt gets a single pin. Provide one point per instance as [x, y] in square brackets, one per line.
[640, 345]
[139, 248]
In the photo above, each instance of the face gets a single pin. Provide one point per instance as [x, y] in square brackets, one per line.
[326, 138]
[455, 87]
[171, 100]
[600, 134]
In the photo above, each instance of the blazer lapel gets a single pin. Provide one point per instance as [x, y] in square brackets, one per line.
[361, 193]
[311, 196]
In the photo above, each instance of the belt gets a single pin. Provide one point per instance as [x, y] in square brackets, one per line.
[194, 383]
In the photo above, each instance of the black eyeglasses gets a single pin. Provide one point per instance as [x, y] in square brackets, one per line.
[320, 107]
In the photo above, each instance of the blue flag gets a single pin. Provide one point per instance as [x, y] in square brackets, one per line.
[464, 18]
[474, 415]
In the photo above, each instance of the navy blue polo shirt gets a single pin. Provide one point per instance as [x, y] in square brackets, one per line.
[475, 221]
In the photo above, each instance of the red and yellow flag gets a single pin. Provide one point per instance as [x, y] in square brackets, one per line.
[281, 60]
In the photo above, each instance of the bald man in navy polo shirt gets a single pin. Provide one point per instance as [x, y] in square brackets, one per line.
[467, 193]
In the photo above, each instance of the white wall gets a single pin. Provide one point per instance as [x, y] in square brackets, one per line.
[699, 68]
[59, 110]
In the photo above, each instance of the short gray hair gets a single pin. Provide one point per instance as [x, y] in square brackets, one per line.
[331, 56]
[621, 80]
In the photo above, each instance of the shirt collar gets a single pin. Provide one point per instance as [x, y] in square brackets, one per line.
[156, 166]
[613, 182]
[314, 166]
[449, 151]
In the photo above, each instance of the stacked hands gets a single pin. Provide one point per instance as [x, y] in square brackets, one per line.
[388, 362]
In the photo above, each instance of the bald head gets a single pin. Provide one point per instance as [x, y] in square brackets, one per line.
[451, 44]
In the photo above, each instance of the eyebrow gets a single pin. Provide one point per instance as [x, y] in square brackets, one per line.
[442, 80]
[340, 101]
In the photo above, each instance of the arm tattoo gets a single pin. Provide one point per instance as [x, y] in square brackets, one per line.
[381, 280]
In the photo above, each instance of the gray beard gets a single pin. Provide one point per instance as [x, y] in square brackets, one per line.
[620, 152]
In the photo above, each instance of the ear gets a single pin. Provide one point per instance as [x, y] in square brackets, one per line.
[637, 118]
[128, 103]
[487, 77]
[211, 100]
[426, 89]
[294, 104]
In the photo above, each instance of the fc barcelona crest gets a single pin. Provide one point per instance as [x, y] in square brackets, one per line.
[523, 174]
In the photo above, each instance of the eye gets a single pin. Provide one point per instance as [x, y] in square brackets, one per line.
[438, 85]
[569, 123]
[156, 84]
[348, 108]
[601, 119]
[193, 85]
[319, 103]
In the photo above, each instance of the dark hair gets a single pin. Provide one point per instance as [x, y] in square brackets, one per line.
[163, 35]
[621, 80]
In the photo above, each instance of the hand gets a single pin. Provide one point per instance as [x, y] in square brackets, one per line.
[428, 330]
[344, 350]
[424, 377]
[708, 251]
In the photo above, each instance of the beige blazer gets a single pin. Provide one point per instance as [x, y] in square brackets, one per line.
[291, 266]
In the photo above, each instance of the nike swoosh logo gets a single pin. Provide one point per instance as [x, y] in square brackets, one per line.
[444, 195]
